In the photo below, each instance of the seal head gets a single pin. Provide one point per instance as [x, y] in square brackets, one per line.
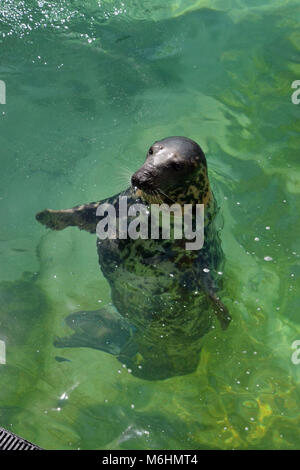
[175, 170]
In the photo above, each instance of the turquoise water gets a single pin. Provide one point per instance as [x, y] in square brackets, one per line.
[89, 88]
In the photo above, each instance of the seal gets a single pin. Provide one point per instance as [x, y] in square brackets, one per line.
[164, 297]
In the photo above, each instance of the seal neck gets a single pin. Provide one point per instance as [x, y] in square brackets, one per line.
[195, 191]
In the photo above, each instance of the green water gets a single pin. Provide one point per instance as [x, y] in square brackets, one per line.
[90, 85]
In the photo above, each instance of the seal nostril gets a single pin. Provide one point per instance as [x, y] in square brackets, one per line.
[141, 180]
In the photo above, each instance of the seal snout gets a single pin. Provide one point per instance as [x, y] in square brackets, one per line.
[142, 180]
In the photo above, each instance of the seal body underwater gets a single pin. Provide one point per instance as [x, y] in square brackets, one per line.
[164, 296]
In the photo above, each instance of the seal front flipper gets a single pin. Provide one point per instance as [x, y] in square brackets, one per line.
[84, 217]
[220, 309]
[102, 329]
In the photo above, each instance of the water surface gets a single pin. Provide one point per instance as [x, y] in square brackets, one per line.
[89, 88]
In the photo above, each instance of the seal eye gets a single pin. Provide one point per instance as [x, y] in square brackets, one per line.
[151, 151]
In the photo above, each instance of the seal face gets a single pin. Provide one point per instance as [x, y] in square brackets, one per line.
[175, 170]
[164, 296]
